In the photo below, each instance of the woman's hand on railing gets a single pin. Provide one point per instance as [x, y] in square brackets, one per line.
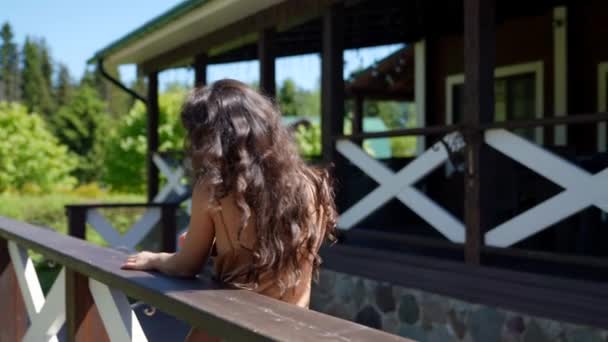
[142, 261]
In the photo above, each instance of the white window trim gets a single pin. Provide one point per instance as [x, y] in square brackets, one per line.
[602, 104]
[536, 68]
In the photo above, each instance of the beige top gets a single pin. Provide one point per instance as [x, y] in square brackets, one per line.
[234, 254]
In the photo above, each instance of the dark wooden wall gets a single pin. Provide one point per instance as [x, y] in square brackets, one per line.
[587, 43]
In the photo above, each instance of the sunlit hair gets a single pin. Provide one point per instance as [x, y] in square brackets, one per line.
[238, 146]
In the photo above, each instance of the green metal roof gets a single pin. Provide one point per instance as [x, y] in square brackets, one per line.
[153, 24]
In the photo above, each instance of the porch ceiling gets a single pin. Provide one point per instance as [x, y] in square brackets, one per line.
[181, 24]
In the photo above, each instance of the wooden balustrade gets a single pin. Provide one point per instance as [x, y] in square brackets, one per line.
[90, 298]
[156, 213]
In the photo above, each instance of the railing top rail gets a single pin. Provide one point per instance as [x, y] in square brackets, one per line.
[581, 118]
[233, 314]
[123, 205]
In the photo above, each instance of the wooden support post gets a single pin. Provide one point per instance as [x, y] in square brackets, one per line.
[13, 316]
[332, 79]
[266, 56]
[83, 321]
[479, 59]
[357, 124]
[168, 220]
[77, 221]
[152, 130]
[200, 70]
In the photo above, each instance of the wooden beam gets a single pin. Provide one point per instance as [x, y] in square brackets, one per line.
[266, 56]
[200, 70]
[332, 79]
[152, 133]
[282, 16]
[358, 114]
[479, 59]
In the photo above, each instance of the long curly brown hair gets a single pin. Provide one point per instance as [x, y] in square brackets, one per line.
[238, 146]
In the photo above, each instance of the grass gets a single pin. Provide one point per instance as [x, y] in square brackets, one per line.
[47, 210]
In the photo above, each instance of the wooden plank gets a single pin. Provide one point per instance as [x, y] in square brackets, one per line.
[234, 314]
[430, 130]
[479, 56]
[152, 134]
[266, 56]
[122, 205]
[332, 79]
[13, 314]
[82, 317]
[200, 69]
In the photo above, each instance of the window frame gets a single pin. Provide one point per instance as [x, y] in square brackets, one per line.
[536, 68]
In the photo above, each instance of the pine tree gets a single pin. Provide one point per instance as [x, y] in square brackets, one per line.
[9, 65]
[64, 89]
[35, 93]
[46, 63]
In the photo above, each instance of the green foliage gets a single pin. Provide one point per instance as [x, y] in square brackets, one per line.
[30, 156]
[36, 93]
[65, 88]
[125, 148]
[287, 98]
[9, 65]
[308, 140]
[80, 125]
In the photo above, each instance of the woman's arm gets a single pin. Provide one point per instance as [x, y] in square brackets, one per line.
[191, 257]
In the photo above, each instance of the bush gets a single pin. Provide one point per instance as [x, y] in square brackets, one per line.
[126, 144]
[31, 157]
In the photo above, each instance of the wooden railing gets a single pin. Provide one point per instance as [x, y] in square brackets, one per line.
[161, 214]
[581, 189]
[88, 300]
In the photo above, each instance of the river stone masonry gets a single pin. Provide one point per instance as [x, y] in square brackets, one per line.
[428, 317]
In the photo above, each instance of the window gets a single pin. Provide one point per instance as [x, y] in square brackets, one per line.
[518, 95]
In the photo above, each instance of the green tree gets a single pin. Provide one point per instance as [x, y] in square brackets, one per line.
[9, 64]
[75, 123]
[64, 88]
[35, 93]
[287, 98]
[125, 147]
[46, 63]
[29, 154]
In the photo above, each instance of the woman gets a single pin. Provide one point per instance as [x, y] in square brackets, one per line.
[254, 197]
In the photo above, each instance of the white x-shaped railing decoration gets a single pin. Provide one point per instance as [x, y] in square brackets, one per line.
[46, 316]
[132, 237]
[118, 318]
[581, 189]
[174, 179]
[400, 185]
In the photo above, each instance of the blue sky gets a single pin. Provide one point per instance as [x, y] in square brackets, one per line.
[76, 29]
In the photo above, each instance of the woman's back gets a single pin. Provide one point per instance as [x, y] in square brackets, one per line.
[235, 255]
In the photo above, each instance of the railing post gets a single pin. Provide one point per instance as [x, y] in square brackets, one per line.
[77, 221]
[83, 322]
[13, 317]
[479, 56]
[168, 227]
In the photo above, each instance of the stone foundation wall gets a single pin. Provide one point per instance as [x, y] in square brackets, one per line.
[424, 316]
